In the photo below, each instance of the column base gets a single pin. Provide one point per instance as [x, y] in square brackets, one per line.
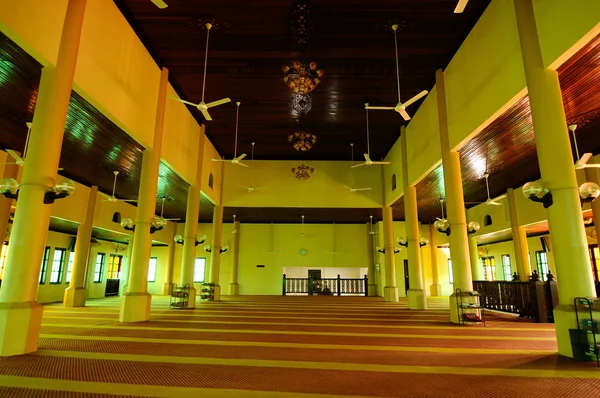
[234, 289]
[20, 325]
[75, 297]
[372, 290]
[217, 293]
[192, 298]
[453, 306]
[390, 294]
[417, 299]
[564, 319]
[167, 289]
[436, 290]
[122, 290]
[135, 307]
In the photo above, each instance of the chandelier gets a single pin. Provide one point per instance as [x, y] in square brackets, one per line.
[302, 79]
[302, 141]
[301, 21]
[303, 172]
[301, 104]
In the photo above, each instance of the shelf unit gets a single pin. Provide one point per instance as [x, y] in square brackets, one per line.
[469, 312]
[587, 326]
[208, 292]
[179, 296]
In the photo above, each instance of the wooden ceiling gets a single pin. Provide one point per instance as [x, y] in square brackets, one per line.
[507, 146]
[93, 146]
[352, 42]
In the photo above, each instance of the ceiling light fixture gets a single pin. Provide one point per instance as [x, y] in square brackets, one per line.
[301, 21]
[302, 141]
[301, 78]
[303, 172]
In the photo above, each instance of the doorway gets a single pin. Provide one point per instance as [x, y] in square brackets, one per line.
[314, 274]
[406, 279]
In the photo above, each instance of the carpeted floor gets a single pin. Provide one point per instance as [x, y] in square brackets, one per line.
[292, 347]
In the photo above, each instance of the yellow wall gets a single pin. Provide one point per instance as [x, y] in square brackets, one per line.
[283, 189]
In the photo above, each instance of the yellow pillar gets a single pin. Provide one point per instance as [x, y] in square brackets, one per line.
[390, 291]
[476, 266]
[10, 171]
[191, 224]
[573, 270]
[371, 261]
[215, 254]
[76, 293]
[436, 287]
[124, 277]
[417, 299]
[519, 239]
[135, 304]
[169, 270]
[455, 203]
[20, 314]
[234, 287]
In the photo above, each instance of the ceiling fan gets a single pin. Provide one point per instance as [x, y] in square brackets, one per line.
[400, 106]
[20, 160]
[581, 162]
[354, 189]
[302, 233]
[460, 6]
[162, 208]
[371, 232]
[251, 188]
[489, 200]
[368, 161]
[202, 106]
[160, 3]
[236, 159]
[335, 250]
[113, 198]
[234, 230]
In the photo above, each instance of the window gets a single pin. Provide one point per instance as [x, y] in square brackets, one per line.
[99, 267]
[393, 182]
[117, 217]
[58, 262]
[152, 269]
[506, 267]
[44, 269]
[450, 275]
[199, 265]
[489, 268]
[114, 266]
[595, 260]
[210, 180]
[3, 257]
[487, 220]
[70, 266]
[541, 258]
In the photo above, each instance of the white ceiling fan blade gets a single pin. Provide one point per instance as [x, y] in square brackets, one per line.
[218, 102]
[591, 165]
[242, 156]
[381, 162]
[460, 7]
[404, 114]
[367, 157]
[347, 187]
[415, 98]
[15, 156]
[362, 189]
[491, 202]
[127, 200]
[583, 160]
[206, 115]
[358, 165]
[241, 164]
[172, 219]
[160, 3]
[241, 186]
[385, 108]
[497, 198]
[184, 101]
[220, 160]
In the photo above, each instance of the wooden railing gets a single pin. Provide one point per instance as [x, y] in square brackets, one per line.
[112, 287]
[534, 299]
[325, 286]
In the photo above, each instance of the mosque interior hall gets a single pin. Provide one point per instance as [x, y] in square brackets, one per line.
[300, 198]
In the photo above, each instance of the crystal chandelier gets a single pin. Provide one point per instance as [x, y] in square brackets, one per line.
[303, 172]
[302, 79]
[301, 104]
[302, 141]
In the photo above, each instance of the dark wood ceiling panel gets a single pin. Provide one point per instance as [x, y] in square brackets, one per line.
[506, 148]
[349, 42]
[292, 215]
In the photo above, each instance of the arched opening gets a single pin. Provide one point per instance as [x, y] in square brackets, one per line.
[210, 180]
[487, 220]
[393, 182]
[117, 218]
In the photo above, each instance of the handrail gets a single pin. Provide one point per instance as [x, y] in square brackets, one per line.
[325, 286]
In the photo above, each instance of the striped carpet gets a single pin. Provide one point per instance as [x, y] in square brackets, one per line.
[292, 347]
